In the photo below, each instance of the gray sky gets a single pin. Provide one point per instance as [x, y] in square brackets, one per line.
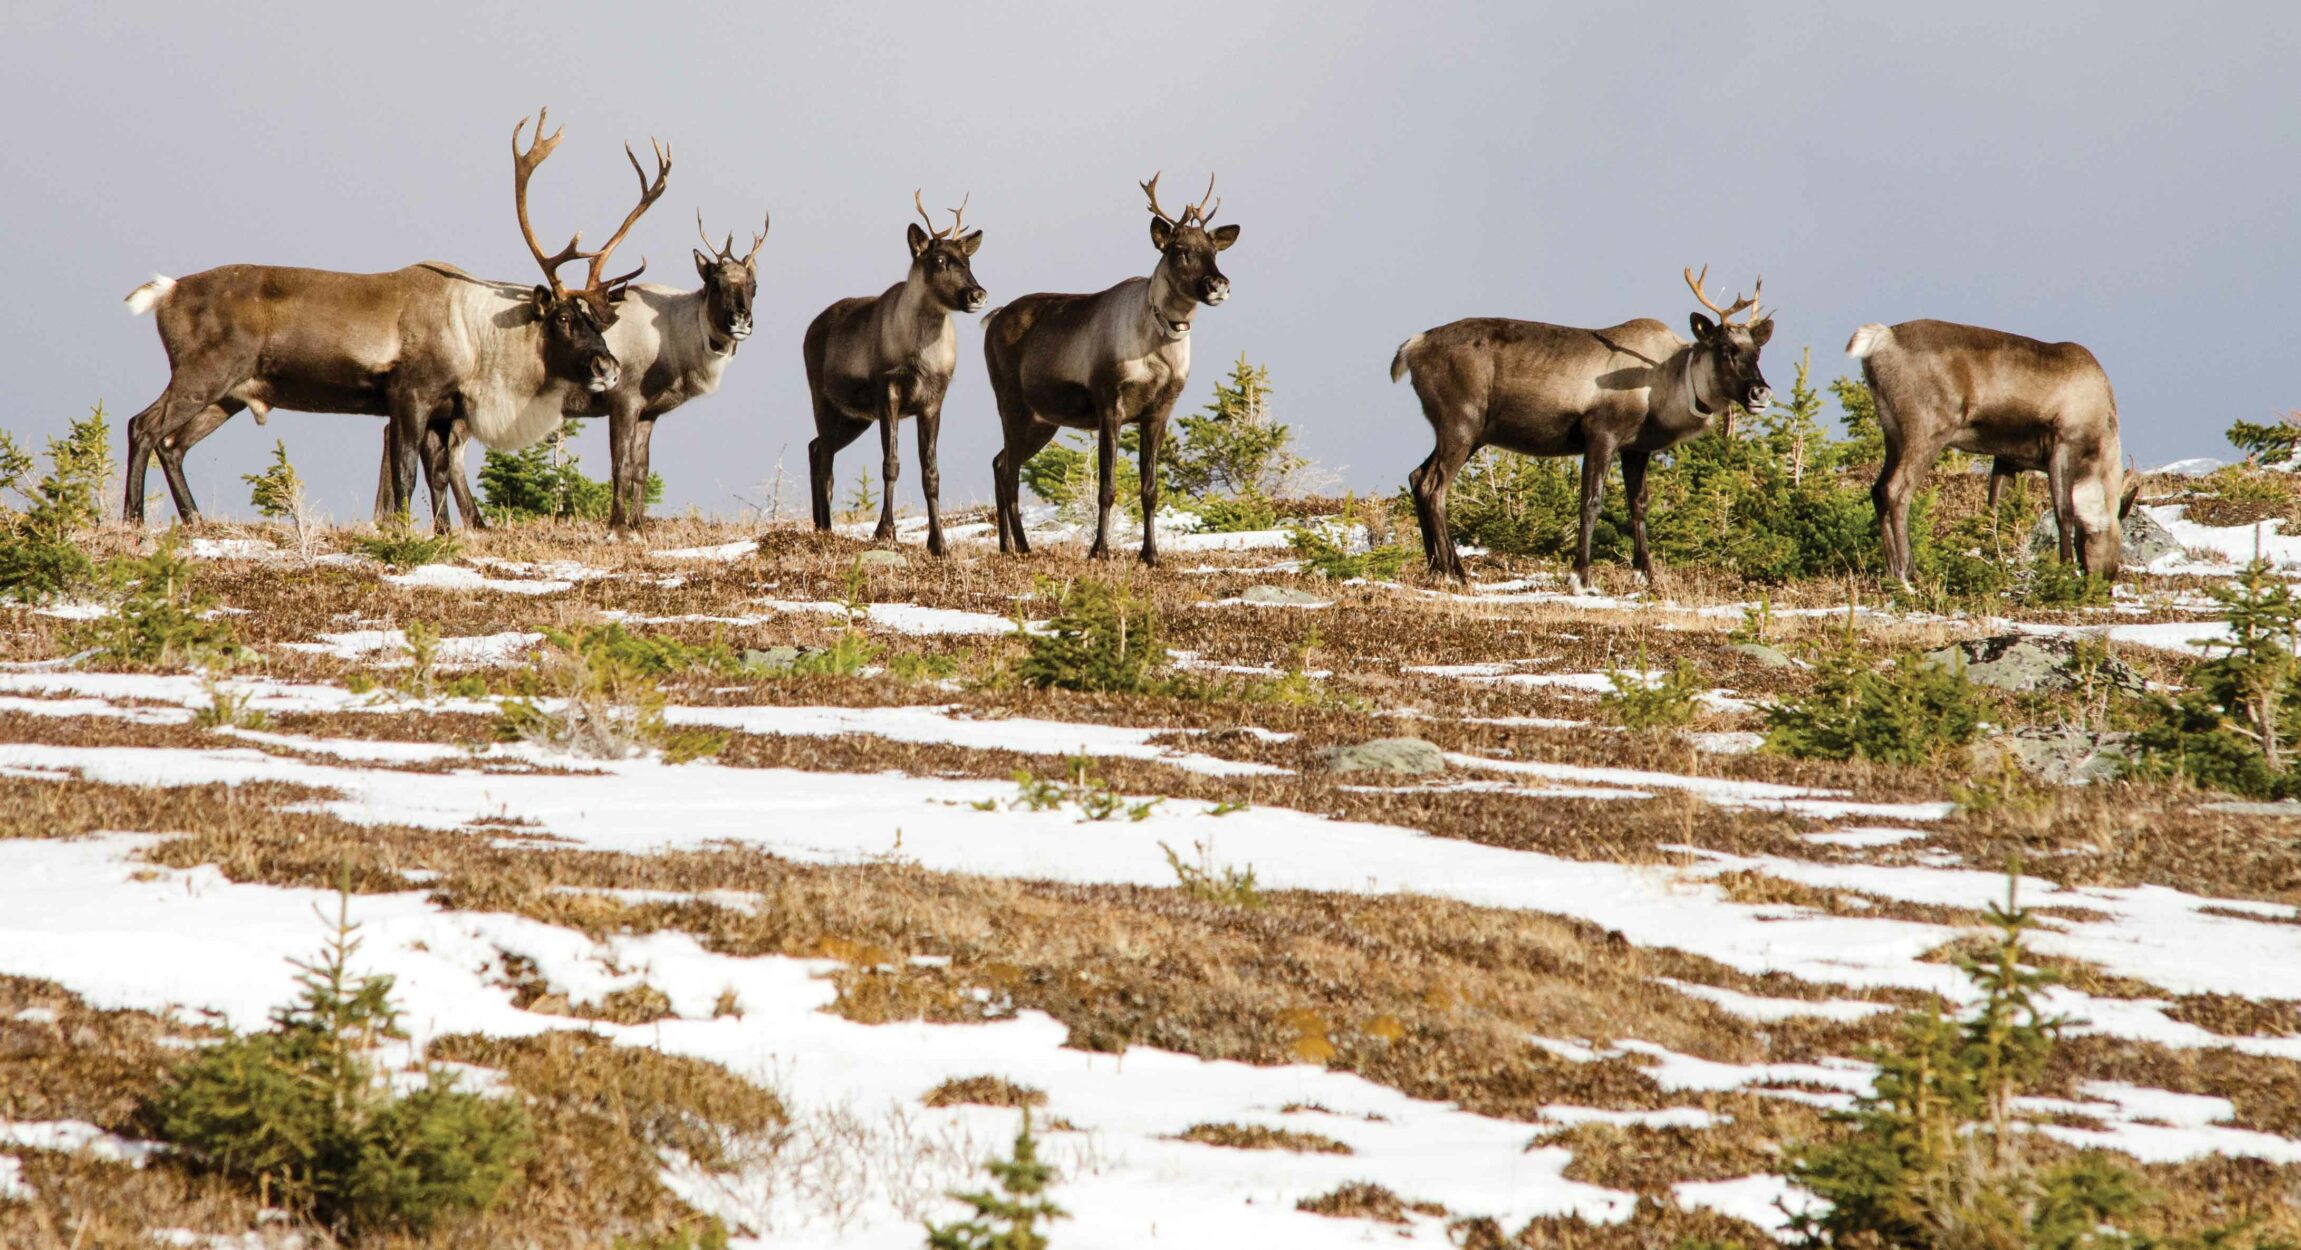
[2118, 174]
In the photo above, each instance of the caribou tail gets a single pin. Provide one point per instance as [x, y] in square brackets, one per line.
[1867, 340]
[150, 295]
[1398, 365]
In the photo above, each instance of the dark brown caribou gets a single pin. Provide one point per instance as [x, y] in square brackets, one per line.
[1547, 390]
[1102, 362]
[2026, 403]
[673, 346]
[416, 344]
[878, 359]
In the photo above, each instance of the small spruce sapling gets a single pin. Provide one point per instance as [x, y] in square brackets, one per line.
[1011, 1216]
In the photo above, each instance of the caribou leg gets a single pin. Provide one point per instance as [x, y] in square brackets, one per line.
[1634, 485]
[1153, 434]
[1904, 471]
[1007, 473]
[623, 454]
[2057, 488]
[411, 413]
[1106, 481]
[173, 444]
[1597, 455]
[457, 438]
[833, 430]
[890, 463]
[1429, 484]
[931, 474]
[181, 415]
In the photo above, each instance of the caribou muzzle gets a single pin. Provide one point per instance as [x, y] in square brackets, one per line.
[1215, 291]
[1758, 396]
[606, 374]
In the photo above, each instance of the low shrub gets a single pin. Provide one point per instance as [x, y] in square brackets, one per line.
[1222, 885]
[547, 482]
[39, 557]
[1640, 704]
[1321, 554]
[399, 547]
[2237, 726]
[1011, 1216]
[1909, 712]
[595, 703]
[300, 1112]
[1102, 638]
[160, 617]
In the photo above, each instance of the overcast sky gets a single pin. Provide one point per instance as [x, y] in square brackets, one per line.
[2123, 175]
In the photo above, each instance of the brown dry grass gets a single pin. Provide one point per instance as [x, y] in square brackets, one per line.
[1260, 1137]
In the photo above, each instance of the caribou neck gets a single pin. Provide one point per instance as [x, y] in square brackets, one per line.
[1692, 357]
[916, 305]
[1164, 306]
[716, 346]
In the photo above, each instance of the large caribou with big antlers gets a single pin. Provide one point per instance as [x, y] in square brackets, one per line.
[417, 344]
[1546, 390]
[1102, 362]
[673, 346]
[874, 360]
[2028, 404]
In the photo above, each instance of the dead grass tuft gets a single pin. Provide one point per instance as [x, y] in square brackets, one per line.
[1258, 1137]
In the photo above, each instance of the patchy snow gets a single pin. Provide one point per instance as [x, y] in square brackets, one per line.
[229, 549]
[459, 577]
[946, 724]
[75, 611]
[1754, 1007]
[75, 1137]
[1764, 1200]
[2195, 466]
[124, 934]
[904, 618]
[474, 651]
[2239, 544]
[1863, 837]
[1725, 742]
[13, 1186]
[1765, 795]
[723, 552]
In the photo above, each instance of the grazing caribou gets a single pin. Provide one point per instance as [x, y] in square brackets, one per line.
[1102, 362]
[1547, 390]
[673, 346]
[2028, 404]
[880, 359]
[425, 343]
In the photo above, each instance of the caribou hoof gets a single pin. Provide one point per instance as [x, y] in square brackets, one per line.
[1582, 583]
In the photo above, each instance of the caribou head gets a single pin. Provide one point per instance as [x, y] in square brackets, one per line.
[1731, 348]
[940, 258]
[1186, 251]
[575, 321]
[729, 281]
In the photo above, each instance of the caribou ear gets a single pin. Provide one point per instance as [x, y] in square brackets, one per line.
[540, 300]
[2125, 504]
[1704, 329]
[918, 239]
[1762, 331]
[1161, 234]
[970, 242]
[1224, 236]
[702, 265]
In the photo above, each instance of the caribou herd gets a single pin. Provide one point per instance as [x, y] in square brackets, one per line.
[446, 357]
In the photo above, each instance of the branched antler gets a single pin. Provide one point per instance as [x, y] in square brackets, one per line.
[726, 251]
[523, 166]
[1199, 211]
[648, 194]
[1740, 303]
[958, 216]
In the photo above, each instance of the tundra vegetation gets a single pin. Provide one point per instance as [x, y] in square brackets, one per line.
[1800, 765]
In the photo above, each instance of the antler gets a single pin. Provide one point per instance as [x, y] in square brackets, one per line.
[1151, 189]
[648, 194]
[1740, 302]
[726, 251]
[1200, 210]
[958, 216]
[523, 166]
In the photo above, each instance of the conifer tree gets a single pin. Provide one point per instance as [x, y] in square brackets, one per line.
[1009, 1217]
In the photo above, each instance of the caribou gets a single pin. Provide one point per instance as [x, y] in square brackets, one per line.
[878, 359]
[673, 346]
[2026, 404]
[1102, 362]
[1546, 390]
[424, 343]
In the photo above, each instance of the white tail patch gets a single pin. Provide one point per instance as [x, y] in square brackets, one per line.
[1868, 339]
[150, 295]
[1398, 365]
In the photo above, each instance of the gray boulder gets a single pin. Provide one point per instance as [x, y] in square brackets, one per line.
[2144, 539]
[881, 558]
[1771, 657]
[773, 660]
[1281, 596]
[2029, 663]
[1412, 756]
[2060, 757]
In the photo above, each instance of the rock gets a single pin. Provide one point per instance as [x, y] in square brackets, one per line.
[1771, 657]
[880, 558]
[2144, 539]
[2029, 663]
[1282, 597]
[2061, 757]
[1387, 755]
[771, 660]
[2286, 808]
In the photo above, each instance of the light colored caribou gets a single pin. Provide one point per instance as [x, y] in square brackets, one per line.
[428, 342]
[673, 346]
[878, 359]
[1548, 390]
[2028, 404]
[1102, 362]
